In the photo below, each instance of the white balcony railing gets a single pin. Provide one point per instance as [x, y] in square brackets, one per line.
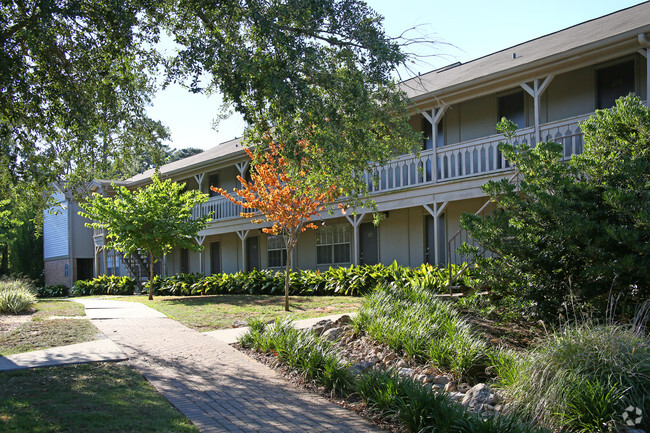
[469, 158]
[220, 208]
[447, 163]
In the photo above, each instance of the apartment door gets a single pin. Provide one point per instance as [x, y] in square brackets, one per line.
[368, 244]
[252, 253]
[215, 258]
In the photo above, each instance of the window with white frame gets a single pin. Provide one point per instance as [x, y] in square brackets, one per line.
[333, 244]
[277, 251]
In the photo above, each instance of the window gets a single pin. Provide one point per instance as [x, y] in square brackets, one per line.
[277, 251]
[333, 244]
[613, 82]
[512, 108]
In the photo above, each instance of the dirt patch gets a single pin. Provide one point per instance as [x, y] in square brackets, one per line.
[9, 322]
[513, 335]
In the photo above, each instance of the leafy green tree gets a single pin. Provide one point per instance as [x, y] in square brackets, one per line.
[155, 219]
[77, 76]
[578, 228]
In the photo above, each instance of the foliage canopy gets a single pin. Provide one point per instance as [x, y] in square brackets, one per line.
[155, 219]
[578, 228]
[284, 196]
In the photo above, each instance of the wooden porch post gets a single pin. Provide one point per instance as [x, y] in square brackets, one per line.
[243, 234]
[355, 220]
[437, 210]
[434, 119]
[537, 91]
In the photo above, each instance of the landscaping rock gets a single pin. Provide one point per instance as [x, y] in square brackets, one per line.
[477, 397]
[451, 386]
[441, 380]
[402, 364]
[332, 334]
[343, 320]
[463, 387]
[321, 326]
[456, 396]
[238, 324]
[404, 371]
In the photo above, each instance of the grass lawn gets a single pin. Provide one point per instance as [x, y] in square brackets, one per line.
[89, 398]
[45, 327]
[207, 313]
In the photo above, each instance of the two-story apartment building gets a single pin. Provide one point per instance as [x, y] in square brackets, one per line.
[546, 85]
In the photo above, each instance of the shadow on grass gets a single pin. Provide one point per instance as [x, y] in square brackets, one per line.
[238, 300]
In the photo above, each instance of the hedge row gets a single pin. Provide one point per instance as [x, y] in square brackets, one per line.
[352, 281]
[104, 285]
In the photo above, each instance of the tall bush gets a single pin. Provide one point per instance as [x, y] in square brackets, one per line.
[578, 229]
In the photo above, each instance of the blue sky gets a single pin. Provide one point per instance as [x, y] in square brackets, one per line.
[464, 29]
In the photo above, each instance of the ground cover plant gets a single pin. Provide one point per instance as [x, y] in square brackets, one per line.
[90, 398]
[207, 313]
[16, 295]
[402, 400]
[105, 285]
[412, 320]
[582, 378]
[48, 325]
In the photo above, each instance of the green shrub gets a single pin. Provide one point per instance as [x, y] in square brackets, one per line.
[421, 409]
[16, 295]
[582, 378]
[410, 319]
[104, 285]
[55, 291]
[352, 281]
[301, 350]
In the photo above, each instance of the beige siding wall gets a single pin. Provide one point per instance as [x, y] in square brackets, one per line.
[83, 245]
[394, 238]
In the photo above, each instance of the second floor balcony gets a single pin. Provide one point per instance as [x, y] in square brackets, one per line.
[445, 164]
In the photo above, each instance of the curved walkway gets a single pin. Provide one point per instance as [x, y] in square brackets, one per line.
[217, 387]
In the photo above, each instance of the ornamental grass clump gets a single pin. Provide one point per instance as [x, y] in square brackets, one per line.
[302, 350]
[583, 379]
[16, 296]
[421, 409]
[412, 320]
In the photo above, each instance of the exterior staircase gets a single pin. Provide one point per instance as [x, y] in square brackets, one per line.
[462, 236]
[138, 266]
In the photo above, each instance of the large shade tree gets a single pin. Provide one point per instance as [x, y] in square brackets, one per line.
[154, 219]
[76, 77]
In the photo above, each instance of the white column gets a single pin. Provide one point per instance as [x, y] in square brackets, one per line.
[644, 53]
[199, 180]
[199, 240]
[243, 234]
[434, 119]
[355, 220]
[241, 167]
[536, 92]
[437, 210]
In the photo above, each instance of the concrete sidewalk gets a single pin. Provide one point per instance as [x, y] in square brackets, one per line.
[103, 350]
[217, 387]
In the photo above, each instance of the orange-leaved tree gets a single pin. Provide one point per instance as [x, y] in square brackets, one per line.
[279, 195]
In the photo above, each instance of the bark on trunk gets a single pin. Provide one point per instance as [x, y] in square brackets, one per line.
[286, 280]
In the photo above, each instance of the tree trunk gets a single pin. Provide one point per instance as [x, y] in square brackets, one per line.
[151, 276]
[286, 279]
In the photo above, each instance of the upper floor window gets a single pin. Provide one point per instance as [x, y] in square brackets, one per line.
[276, 251]
[333, 244]
[613, 82]
[511, 107]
